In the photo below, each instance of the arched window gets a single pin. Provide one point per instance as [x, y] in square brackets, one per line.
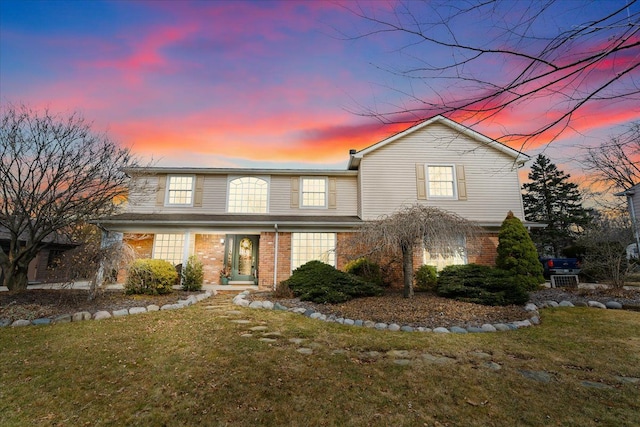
[248, 195]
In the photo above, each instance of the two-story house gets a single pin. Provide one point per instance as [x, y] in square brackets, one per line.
[261, 224]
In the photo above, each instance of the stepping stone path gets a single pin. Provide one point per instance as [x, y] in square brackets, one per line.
[407, 358]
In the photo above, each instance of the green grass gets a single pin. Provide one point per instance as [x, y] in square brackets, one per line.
[192, 367]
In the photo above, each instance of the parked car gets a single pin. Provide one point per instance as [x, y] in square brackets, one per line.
[560, 266]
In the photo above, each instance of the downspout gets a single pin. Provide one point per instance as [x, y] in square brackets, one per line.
[634, 223]
[275, 259]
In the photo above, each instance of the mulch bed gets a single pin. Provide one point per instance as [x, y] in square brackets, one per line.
[421, 310]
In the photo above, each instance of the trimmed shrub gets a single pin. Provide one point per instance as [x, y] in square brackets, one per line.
[192, 274]
[283, 291]
[150, 276]
[365, 269]
[517, 253]
[481, 284]
[426, 278]
[321, 283]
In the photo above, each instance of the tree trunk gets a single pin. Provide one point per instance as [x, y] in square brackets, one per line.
[15, 276]
[407, 270]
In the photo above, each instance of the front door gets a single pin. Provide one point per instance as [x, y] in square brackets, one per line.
[242, 257]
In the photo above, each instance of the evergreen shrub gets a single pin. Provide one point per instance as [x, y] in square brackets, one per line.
[481, 284]
[426, 278]
[150, 276]
[365, 269]
[321, 283]
[517, 254]
[192, 274]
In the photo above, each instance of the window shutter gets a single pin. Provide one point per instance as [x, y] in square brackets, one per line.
[332, 193]
[295, 192]
[162, 186]
[462, 182]
[421, 182]
[197, 197]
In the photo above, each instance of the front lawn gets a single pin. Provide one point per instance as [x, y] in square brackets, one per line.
[207, 366]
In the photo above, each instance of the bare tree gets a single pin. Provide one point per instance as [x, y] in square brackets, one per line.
[412, 228]
[97, 259]
[605, 247]
[614, 163]
[572, 55]
[55, 173]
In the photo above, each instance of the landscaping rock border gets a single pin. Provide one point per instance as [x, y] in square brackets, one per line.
[534, 319]
[101, 315]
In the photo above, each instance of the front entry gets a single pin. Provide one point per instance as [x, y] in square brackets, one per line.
[242, 257]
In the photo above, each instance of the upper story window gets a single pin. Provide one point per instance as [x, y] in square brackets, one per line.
[248, 195]
[180, 190]
[441, 182]
[314, 192]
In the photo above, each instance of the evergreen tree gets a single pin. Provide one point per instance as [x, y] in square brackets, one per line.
[551, 199]
[517, 254]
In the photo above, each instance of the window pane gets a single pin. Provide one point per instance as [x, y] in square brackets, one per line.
[440, 260]
[440, 181]
[169, 247]
[314, 192]
[180, 190]
[306, 247]
[248, 195]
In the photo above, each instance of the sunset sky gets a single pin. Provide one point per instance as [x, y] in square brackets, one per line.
[241, 84]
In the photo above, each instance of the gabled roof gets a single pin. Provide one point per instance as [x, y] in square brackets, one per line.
[519, 157]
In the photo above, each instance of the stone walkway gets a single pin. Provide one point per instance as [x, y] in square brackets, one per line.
[222, 307]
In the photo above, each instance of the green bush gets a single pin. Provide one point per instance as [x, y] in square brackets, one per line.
[150, 276]
[367, 270]
[192, 274]
[517, 253]
[426, 278]
[319, 282]
[481, 284]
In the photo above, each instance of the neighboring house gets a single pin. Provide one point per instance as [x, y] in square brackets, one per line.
[261, 224]
[42, 267]
[633, 204]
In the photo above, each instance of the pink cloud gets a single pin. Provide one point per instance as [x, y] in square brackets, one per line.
[146, 55]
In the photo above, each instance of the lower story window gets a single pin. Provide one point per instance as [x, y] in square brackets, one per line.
[307, 247]
[441, 260]
[169, 247]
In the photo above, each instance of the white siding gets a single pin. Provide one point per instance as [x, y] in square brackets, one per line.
[346, 193]
[142, 194]
[388, 175]
[214, 199]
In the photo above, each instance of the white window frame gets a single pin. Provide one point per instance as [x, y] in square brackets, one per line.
[168, 190]
[325, 254]
[157, 253]
[266, 179]
[326, 192]
[428, 181]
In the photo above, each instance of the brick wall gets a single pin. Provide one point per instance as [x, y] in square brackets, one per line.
[266, 259]
[484, 251]
[210, 252]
